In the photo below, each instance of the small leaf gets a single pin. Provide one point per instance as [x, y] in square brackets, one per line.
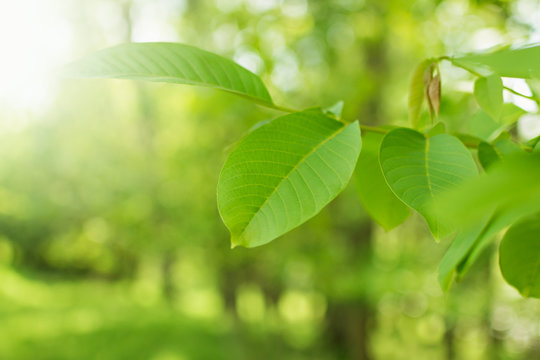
[518, 63]
[437, 129]
[520, 256]
[417, 168]
[416, 94]
[488, 94]
[335, 109]
[283, 173]
[172, 63]
[378, 200]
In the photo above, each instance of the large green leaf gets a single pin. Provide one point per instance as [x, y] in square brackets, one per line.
[418, 168]
[378, 200]
[488, 93]
[520, 256]
[172, 63]
[518, 63]
[283, 173]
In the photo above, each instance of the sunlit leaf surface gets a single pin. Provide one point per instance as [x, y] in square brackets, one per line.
[283, 173]
[172, 63]
[418, 168]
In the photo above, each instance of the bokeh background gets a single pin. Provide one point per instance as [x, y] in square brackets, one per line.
[111, 246]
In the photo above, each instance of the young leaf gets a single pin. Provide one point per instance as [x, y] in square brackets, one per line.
[378, 200]
[518, 63]
[416, 94]
[520, 256]
[417, 168]
[283, 173]
[434, 94]
[172, 63]
[488, 94]
[432, 89]
[335, 109]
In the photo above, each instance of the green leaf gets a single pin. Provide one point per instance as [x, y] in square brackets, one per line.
[172, 63]
[520, 256]
[469, 244]
[378, 200]
[416, 94]
[335, 109]
[487, 155]
[482, 126]
[418, 168]
[510, 185]
[490, 154]
[437, 129]
[518, 63]
[500, 220]
[511, 113]
[457, 252]
[488, 94]
[283, 173]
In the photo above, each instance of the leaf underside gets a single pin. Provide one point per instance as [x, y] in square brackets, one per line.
[172, 63]
[284, 173]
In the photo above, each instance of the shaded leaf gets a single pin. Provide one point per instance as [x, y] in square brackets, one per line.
[418, 168]
[520, 256]
[378, 200]
[283, 173]
[172, 63]
[488, 93]
[487, 155]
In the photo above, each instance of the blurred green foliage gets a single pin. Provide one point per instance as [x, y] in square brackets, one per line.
[111, 246]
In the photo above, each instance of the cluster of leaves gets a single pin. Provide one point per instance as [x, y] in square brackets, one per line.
[285, 171]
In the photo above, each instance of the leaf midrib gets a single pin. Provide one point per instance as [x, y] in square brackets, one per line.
[294, 168]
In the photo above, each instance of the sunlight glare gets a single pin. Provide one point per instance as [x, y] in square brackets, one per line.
[35, 40]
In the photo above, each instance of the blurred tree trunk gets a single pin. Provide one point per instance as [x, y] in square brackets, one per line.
[351, 321]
